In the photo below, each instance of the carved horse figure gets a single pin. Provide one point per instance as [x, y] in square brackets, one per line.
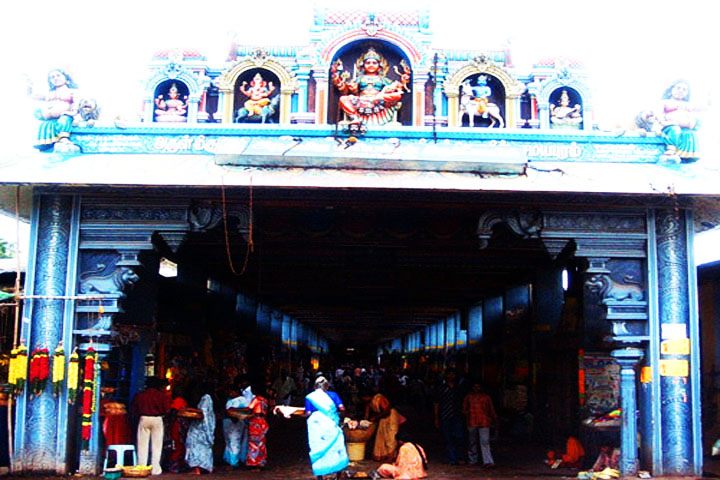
[472, 105]
[243, 114]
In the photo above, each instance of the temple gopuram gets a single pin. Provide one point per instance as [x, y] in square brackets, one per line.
[364, 194]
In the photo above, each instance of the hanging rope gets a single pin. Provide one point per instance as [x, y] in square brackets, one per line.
[16, 290]
[250, 245]
[434, 107]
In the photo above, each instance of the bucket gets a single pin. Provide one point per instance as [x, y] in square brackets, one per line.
[356, 451]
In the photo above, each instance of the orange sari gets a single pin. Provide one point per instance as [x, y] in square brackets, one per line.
[408, 466]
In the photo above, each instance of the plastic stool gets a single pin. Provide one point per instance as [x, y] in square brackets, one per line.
[120, 451]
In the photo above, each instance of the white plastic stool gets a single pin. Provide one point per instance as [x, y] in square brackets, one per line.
[120, 451]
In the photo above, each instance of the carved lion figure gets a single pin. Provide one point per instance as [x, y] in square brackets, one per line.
[609, 289]
[113, 282]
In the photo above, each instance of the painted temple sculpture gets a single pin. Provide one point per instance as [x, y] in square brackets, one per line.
[171, 108]
[260, 101]
[57, 111]
[370, 98]
[421, 110]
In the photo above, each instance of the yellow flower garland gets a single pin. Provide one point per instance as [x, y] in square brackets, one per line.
[17, 376]
[58, 369]
[72, 376]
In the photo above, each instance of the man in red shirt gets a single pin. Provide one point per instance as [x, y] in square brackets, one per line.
[480, 416]
[150, 405]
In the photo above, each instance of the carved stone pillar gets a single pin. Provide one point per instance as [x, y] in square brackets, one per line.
[322, 92]
[418, 103]
[41, 420]
[628, 359]
[104, 277]
[675, 367]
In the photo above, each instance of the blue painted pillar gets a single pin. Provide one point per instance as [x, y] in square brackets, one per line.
[41, 420]
[302, 97]
[628, 359]
[679, 429]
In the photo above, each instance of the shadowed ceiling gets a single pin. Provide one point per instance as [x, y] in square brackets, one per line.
[365, 267]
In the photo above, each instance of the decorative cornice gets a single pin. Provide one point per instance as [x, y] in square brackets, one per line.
[525, 224]
[482, 64]
[259, 59]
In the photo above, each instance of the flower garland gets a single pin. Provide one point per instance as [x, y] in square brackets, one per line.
[73, 376]
[39, 370]
[17, 374]
[58, 369]
[88, 396]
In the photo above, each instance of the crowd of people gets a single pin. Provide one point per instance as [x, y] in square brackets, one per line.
[176, 421]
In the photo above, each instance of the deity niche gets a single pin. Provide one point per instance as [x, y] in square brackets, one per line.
[369, 96]
[259, 95]
[172, 105]
[476, 101]
[563, 113]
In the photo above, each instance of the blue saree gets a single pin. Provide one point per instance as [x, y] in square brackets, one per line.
[327, 443]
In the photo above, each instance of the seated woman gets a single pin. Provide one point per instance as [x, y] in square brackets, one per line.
[172, 109]
[572, 458]
[563, 115]
[678, 119]
[411, 461]
[57, 112]
[370, 98]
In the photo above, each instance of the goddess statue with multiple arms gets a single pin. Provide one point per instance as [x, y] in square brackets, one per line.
[172, 109]
[371, 98]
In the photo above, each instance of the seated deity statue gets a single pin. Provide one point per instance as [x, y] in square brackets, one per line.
[563, 115]
[371, 98]
[56, 111]
[171, 109]
[260, 103]
[678, 120]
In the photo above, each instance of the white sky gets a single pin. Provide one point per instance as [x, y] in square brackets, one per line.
[632, 49]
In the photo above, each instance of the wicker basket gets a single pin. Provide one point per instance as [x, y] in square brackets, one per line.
[137, 471]
[359, 435]
[191, 413]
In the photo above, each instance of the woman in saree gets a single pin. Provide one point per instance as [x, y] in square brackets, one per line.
[679, 120]
[325, 437]
[177, 430]
[257, 428]
[58, 109]
[388, 423]
[200, 438]
[236, 429]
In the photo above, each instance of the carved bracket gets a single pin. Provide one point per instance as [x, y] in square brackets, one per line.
[595, 234]
[113, 282]
[101, 288]
[525, 224]
[206, 215]
[622, 295]
[609, 289]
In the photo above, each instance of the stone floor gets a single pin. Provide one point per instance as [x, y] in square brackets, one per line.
[288, 458]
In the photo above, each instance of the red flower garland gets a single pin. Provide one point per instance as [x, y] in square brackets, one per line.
[39, 370]
[88, 394]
